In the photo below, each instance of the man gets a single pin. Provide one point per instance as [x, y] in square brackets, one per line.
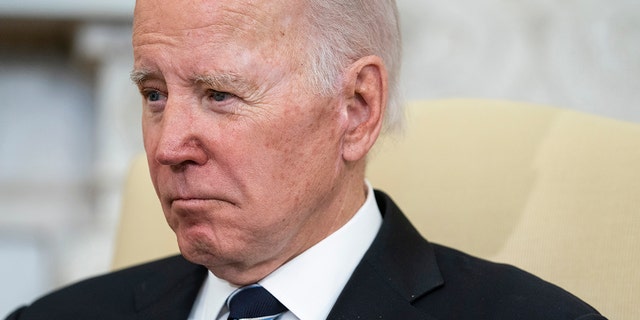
[257, 119]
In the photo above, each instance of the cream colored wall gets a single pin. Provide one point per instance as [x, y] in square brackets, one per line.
[580, 54]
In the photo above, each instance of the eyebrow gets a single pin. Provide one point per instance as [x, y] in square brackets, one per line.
[220, 81]
[138, 76]
[223, 81]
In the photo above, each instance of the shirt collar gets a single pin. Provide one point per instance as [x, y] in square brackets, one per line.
[319, 274]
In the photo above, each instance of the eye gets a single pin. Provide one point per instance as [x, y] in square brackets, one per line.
[154, 96]
[218, 95]
[154, 100]
[220, 101]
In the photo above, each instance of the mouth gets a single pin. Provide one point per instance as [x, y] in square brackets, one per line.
[198, 202]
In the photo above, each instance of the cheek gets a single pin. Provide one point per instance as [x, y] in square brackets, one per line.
[301, 150]
[288, 141]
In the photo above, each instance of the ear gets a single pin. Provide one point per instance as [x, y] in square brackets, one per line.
[366, 100]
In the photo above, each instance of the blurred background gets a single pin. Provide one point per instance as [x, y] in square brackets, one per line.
[69, 116]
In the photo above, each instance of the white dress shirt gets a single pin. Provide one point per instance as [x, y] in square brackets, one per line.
[309, 284]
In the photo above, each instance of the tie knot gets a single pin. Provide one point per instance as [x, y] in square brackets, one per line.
[254, 302]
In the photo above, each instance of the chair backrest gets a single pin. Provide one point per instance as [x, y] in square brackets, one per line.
[552, 191]
[143, 233]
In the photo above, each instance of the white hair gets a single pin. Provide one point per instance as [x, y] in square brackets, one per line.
[342, 31]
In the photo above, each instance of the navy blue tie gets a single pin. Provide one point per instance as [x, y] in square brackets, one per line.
[254, 302]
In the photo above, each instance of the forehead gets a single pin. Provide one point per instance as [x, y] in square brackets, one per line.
[237, 16]
[249, 38]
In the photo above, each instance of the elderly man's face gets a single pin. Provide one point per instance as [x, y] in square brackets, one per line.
[245, 160]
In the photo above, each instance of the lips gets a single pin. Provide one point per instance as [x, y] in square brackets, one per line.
[189, 200]
[198, 201]
[192, 192]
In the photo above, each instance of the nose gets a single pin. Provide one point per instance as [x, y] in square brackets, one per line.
[179, 141]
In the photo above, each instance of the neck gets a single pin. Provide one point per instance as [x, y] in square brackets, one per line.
[339, 206]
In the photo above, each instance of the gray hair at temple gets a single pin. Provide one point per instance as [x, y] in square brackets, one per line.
[342, 31]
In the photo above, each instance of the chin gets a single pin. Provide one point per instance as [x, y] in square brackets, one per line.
[199, 254]
[199, 246]
[195, 243]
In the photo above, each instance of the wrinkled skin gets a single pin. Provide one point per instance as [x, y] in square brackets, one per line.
[251, 168]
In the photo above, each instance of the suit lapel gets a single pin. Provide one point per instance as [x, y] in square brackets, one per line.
[170, 292]
[399, 268]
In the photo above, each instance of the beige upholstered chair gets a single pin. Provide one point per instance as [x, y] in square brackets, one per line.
[552, 191]
[143, 233]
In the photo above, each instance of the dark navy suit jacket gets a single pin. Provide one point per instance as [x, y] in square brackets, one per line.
[402, 276]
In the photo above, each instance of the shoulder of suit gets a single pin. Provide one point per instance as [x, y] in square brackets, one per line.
[498, 289]
[112, 291]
